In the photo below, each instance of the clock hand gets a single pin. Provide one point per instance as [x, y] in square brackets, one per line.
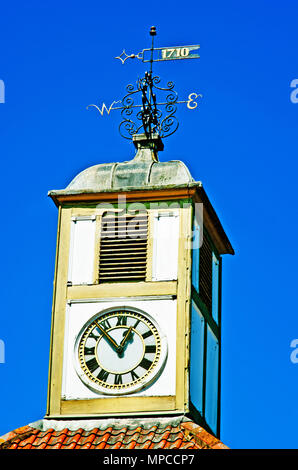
[126, 336]
[111, 340]
[123, 342]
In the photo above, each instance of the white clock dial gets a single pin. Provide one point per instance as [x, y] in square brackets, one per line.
[120, 351]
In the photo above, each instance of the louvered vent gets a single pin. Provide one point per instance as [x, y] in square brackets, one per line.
[123, 248]
[205, 274]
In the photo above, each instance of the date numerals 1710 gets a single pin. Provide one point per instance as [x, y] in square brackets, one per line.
[179, 53]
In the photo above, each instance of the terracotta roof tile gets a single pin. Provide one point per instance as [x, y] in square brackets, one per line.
[139, 433]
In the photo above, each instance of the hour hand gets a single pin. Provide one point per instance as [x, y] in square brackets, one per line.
[125, 339]
[109, 338]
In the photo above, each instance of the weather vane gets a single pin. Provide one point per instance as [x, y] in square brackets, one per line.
[148, 114]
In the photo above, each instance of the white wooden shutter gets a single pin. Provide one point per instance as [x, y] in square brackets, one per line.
[82, 250]
[165, 247]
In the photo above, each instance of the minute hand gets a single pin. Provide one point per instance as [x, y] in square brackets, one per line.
[111, 340]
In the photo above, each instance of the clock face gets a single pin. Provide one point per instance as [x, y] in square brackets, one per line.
[120, 351]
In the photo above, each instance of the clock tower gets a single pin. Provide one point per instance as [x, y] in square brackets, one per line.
[136, 320]
[136, 316]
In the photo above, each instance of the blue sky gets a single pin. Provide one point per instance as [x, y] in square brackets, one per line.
[58, 57]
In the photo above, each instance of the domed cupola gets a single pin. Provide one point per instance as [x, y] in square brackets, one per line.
[143, 171]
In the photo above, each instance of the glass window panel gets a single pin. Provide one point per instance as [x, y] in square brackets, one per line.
[195, 255]
[215, 287]
[196, 359]
[211, 399]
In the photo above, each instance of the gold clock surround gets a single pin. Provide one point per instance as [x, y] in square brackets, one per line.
[107, 380]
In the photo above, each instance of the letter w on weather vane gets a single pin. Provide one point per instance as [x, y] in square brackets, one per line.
[139, 108]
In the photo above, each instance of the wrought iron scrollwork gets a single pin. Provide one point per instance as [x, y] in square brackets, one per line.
[153, 117]
[139, 108]
[140, 111]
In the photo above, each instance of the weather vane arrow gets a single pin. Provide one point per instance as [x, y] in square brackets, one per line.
[152, 116]
[159, 54]
[163, 53]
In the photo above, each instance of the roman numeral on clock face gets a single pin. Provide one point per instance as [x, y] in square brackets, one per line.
[145, 363]
[103, 375]
[93, 335]
[134, 376]
[105, 324]
[121, 320]
[147, 334]
[118, 379]
[89, 351]
[150, 348]
[92, 364]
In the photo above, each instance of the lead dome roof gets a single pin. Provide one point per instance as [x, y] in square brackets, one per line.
[143, 171]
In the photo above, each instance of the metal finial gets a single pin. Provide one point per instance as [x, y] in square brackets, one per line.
[153, 31]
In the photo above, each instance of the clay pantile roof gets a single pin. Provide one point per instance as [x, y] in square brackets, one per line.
[139, 433]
